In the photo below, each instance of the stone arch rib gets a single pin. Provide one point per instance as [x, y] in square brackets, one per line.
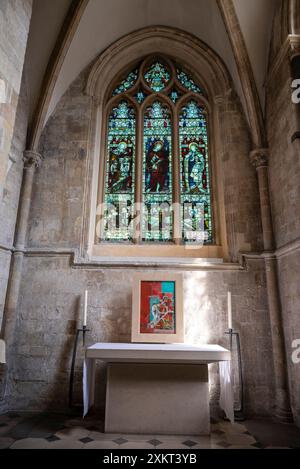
[54, 66]
[245, 71]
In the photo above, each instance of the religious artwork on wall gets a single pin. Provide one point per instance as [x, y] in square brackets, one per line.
[157, 308]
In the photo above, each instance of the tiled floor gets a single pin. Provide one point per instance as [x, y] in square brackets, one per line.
[44, 431]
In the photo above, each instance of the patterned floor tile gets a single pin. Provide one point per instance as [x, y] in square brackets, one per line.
[102, 444]
[240, 439]
[65, 444]
[86, 440]
[52, 438]
[189, 443]
[176, 444]
[228, 427]
[74, 433]
[6, 442]
[154, 442]
[41, 431]
[30, 443]
[120, 441]
[136, 445]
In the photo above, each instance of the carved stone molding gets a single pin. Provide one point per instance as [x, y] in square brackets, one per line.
[289, 49]
[260, 157]
[31, 159]
[294, 46]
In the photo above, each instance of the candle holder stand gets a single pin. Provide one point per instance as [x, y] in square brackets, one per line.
[84, 330]
[239, 412]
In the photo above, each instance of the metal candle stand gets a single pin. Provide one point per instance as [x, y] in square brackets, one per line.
[84, 330]
[238, 413]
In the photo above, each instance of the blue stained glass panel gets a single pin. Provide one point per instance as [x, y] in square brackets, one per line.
[140, 96]
[157, 173]
[119, 184]
[194, 169]
[157, 76]
[174, 95]
[187, 81]
[127, 83]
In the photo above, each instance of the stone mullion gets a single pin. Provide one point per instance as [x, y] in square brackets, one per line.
[138, 178]
[177, 228]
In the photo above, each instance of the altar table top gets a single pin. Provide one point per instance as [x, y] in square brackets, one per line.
[158, 353]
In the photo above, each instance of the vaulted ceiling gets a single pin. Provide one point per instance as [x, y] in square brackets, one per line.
[104, 21]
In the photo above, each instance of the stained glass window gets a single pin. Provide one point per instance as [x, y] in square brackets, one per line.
[142, 119]
[157, 173]
[127, 83]
[174, 95]
[194, 169]
[157, 76]
[188, 82]
[119, 184]
[140, 96]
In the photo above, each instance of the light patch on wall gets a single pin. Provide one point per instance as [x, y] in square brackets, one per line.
[9, 165]
[196, 309]
[2, 351]
[2, 92]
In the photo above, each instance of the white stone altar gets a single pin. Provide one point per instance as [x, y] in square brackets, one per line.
[157, 388]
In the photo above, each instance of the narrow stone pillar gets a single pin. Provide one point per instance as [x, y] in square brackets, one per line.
[31, 162]
[259, 159]
[283, 413]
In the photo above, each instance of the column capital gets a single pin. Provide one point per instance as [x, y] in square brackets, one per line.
[259, 157]
[293, 46]
[31, 159]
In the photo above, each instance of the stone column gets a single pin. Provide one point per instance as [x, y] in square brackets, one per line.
[31, 160]
[259, 158]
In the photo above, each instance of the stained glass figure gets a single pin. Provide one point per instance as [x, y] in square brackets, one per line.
[157, 76]
[188, 82]
[174, 95]
[140, 96]
[194, 166]
[127, 83]
[119, 185]
[157, 173]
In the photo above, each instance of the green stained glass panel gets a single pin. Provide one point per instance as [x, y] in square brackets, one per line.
[174, 95]
[157, 76]
[140, 96]
[119, 183]
[127, 83]
[157, 174]
[194, 170]
[187, 81]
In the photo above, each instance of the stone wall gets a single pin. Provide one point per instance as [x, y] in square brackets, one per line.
[50, 309]
[10, 201]
[14, 26]
[285, 195]
[50, 301]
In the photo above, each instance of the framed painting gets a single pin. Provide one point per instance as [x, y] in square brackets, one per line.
[157, 308]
